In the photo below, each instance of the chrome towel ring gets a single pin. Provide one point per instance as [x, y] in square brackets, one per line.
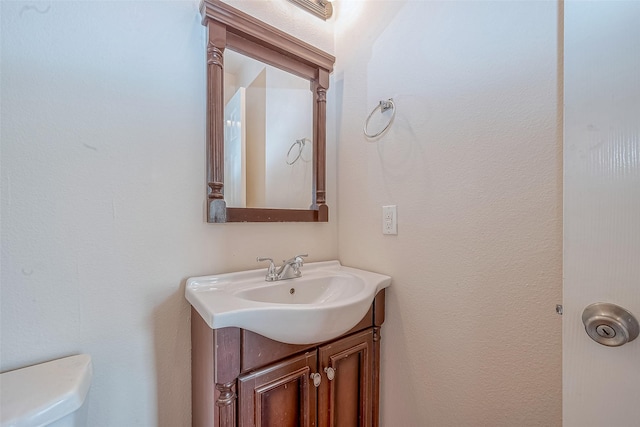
[382, 106]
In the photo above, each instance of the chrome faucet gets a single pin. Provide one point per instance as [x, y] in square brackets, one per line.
[289, 270]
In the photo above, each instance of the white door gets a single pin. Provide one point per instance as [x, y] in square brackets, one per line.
[235, 160]
[601, 385]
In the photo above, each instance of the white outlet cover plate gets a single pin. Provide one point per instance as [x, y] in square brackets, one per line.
[389, 219]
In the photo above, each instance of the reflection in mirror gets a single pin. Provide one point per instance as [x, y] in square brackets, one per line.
[268, 132]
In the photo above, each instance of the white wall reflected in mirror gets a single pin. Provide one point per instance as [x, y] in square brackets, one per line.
[266, 111]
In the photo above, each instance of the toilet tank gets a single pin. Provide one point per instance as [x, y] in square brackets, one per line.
[51, 394]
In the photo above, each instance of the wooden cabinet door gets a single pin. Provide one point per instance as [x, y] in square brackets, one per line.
[280, 395]
[346, 400]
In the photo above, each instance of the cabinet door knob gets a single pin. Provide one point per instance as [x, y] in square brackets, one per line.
[317, 379]
[331, 373]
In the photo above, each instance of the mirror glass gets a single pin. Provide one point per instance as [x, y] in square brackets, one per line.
[268, 131]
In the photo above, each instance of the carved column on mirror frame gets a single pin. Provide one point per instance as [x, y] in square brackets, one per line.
[217, 34]
[226, 404]
[320, 95]
[321, 99]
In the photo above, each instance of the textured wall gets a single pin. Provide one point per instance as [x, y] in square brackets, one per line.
[103, 198]
[473, 162]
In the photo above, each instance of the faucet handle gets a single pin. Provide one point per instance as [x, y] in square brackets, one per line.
[271, 270]
[297, 258]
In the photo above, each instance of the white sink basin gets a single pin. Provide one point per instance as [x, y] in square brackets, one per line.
[324, 303]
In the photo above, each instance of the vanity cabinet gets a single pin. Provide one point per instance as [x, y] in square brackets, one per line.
[243, 379]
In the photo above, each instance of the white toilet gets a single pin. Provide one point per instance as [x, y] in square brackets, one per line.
[49, 394]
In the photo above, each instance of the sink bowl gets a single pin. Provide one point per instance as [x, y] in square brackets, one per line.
[315, 289]
[327, 301]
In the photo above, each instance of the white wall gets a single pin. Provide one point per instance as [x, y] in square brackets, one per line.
[473, 162]
[103, 197]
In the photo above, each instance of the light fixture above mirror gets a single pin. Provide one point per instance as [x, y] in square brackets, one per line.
[320, 8]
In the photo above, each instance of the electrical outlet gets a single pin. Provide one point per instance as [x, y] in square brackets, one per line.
[389, 219]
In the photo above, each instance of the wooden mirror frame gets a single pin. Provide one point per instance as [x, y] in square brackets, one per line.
[230, 28]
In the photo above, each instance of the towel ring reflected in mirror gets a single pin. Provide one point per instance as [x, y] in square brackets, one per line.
[295, 151]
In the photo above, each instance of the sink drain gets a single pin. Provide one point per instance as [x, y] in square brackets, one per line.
[292, 291]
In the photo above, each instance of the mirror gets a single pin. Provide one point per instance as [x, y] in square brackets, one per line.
[268, 128]
[272, 165]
